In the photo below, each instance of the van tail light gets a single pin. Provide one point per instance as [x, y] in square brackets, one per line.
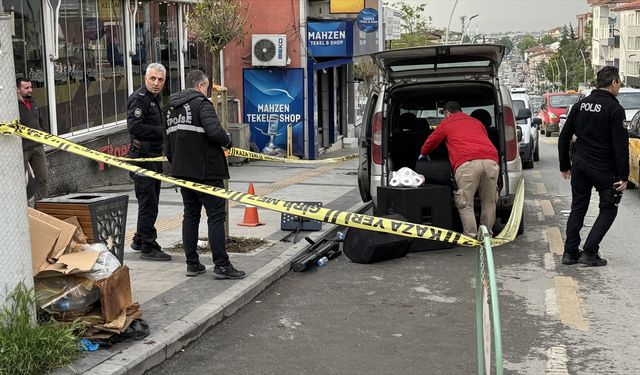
[376, 139]
[510, 135]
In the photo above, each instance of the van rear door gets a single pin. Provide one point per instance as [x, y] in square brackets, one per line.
[438, 61]
[364, 147]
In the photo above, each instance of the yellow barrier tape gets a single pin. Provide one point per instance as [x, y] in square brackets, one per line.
[305, 210]
[256, 156]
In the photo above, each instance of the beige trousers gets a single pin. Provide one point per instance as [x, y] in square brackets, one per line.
[481, 176]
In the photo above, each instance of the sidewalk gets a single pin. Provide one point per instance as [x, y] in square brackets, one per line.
[178, 308]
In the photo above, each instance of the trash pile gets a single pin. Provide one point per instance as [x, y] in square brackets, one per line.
[81, 282]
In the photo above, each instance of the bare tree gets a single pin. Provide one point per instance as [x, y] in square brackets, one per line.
[218, 23]
[367, 72]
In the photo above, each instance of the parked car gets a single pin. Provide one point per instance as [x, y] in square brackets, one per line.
[629, 99]
[634, 150]
[529, 148]
[403, 109]
[553, 105]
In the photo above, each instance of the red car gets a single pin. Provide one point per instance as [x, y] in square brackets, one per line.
[553, 105]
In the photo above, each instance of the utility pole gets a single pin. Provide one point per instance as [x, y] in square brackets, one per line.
[15, 243]
[558, 66]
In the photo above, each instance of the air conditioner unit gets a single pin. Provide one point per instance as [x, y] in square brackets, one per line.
[269, 50]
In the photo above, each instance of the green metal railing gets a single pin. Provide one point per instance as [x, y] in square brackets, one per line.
[487, 308]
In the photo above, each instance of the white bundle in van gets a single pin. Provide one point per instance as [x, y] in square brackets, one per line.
[406, 177]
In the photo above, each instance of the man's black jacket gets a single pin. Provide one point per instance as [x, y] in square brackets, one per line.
[602, 140]
[31, 118]
[195, 138]
[144, 120]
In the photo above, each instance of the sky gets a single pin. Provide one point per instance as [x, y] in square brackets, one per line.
[504, 15]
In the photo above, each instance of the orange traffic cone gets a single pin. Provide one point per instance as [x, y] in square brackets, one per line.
[250, 212]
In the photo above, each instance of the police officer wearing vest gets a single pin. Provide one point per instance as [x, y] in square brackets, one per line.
[600, 160]
[194, 148]
[146, 130]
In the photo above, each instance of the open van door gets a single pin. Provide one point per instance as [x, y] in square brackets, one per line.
[438, 61]
[364, 148]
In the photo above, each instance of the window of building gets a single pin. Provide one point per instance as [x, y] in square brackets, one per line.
[157, 41]
[90, 74]
[198, 56]
[28, 49]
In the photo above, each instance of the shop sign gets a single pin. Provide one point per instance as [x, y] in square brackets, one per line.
[329, 39]
[273, 99]
[368, 20]
[345, 6]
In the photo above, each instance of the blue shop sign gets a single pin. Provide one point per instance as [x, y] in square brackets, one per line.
[273, 99]
[329, 39]
[368, 20]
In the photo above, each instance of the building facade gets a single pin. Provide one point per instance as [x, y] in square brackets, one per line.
[85, 57]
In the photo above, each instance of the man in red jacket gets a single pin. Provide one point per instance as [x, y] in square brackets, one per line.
[475, 162]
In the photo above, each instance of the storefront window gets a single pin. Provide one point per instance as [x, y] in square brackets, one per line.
[157, 41]
[90, 76]
[198, 56]
[28, 48]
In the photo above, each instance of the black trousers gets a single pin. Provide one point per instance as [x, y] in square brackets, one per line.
[214, 206]
[148, 195]
[584, 178]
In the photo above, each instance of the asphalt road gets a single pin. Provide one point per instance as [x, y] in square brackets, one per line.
[416, 315]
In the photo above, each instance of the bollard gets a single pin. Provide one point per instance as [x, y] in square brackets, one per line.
[15, 244]
[487, 308]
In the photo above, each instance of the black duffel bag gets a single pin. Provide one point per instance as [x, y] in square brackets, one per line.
[366, 246]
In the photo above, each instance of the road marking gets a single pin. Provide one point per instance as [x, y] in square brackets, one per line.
[557, 361]
[174, 221]
[541, 189]
[549, 263]
[554, 238]
[547, 208]
[569, 303]
[535, 174]
[551, 302]
[550, 141]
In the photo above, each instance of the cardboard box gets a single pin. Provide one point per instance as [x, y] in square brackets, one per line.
[41, 246]
[69, 264]
[43, 239]
[115, 293]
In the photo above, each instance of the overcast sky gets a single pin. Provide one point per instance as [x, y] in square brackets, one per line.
[504, 15]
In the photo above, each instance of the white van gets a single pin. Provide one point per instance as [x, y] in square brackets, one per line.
[529, 148]
[402, 111]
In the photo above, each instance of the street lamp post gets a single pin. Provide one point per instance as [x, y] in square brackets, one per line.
[558, 66]
[553, 76]
[584, 64]
[464, 32]
[566, 86]
[446, 37]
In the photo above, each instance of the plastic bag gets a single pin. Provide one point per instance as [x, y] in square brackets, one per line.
[68, 294]
[105, 265]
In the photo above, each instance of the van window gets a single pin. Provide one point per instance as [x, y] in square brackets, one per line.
[517, 106]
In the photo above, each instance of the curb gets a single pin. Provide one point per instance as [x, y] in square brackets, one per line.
[146, 354]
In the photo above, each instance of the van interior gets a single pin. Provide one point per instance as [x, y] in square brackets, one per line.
[415, 111]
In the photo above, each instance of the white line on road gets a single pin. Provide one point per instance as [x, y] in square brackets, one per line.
[551, 302]
[557, 361]
[549, 263]
[547, 208]
[541, 189]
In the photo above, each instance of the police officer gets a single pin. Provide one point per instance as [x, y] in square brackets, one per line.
[146, 130]
[600, 160]
[194, 149]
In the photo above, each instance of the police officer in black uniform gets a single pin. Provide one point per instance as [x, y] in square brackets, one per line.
[194, 148]
[146, 130]
[600, 159]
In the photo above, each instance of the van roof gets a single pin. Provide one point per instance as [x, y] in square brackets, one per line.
[520, 90]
